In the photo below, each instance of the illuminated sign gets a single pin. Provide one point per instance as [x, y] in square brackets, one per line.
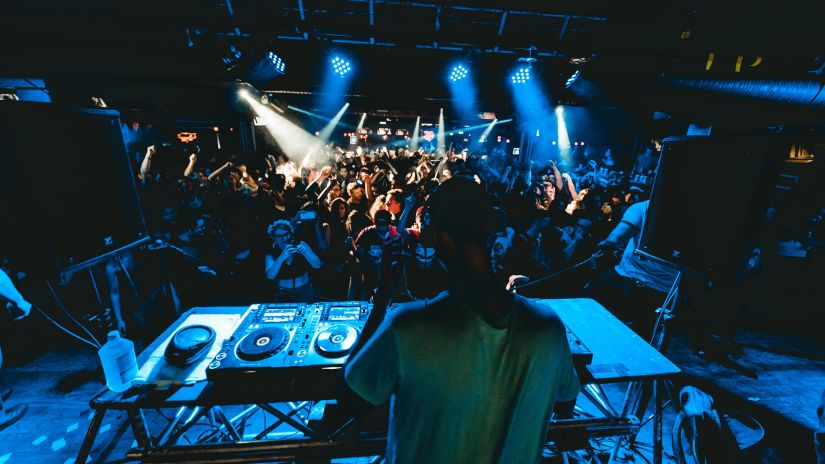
[187, 137]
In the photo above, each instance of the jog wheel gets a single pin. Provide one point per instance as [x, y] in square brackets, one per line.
[336, 341]
[262, 343]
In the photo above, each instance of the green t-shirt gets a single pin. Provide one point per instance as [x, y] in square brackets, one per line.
[461, 390]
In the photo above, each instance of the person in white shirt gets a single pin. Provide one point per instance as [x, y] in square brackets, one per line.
[636, 286]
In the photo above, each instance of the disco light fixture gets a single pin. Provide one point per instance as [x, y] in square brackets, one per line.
[458, 72]
[340, 66]
[572, 79]
[231, 59]
[276, 60]
[521, 76]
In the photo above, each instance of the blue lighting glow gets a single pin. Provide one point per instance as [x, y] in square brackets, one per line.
[336, 80]
[458, 72]
[276, 60]
[533, 112]
[463, 92]
[340, 66]
[521, 76]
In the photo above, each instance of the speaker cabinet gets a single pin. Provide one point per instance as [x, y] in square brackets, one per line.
[68, 196]
[709, 201]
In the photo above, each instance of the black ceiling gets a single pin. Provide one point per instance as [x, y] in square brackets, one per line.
[402, 47]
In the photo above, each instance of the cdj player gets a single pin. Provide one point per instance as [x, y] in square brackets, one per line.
[298, 345]
[294, 351]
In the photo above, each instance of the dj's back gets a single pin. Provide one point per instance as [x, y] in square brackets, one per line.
[464, 390]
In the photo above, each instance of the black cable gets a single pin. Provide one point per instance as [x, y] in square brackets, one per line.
[97, 291]
[65, 311]
[556, 274]
[128, 277]
[69, 332]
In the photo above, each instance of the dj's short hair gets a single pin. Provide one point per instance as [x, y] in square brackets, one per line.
[463, 209]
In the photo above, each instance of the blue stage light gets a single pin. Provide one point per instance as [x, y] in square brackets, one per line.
[340, 66]
[572, 79]
[458, 72]
[521, 76]
[277, 62]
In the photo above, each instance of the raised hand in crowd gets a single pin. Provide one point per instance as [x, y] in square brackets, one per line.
[191, 166]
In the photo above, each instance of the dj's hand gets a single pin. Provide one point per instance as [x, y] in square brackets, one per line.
[302, 248]
[515, 280]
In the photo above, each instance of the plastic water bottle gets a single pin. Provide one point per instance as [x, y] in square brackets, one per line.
[119, 362]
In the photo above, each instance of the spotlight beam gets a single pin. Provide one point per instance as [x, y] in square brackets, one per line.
[361, 122]
[463, 92]
[487, 130]
[308, 113]
[416, 131]
[564, 139]
[326, 132]
[442, 147]
[293, 140]
[317, 116]
[479, 126]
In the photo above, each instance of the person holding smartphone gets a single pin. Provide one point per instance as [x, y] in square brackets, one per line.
[289, 262]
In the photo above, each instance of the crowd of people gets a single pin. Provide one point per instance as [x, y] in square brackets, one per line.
[265, 227]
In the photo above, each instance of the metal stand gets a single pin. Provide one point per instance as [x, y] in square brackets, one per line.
[89, 439]
[185, 417]
[639, 393]
[197, 424]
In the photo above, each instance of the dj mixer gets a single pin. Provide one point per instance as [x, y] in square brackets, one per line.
[294, 342]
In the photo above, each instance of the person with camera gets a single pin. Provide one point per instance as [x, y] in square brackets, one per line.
[424, 275]
[289, 263]
[370, 246]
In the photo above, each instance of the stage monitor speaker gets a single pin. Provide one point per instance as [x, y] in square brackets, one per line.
[68, 197]
[709, 201]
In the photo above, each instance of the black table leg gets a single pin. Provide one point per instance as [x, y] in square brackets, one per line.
[657, 423]
[91, 434]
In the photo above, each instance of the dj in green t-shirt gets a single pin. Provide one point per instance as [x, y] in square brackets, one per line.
[472, 376]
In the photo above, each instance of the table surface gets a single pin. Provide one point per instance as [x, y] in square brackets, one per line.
[619, 355]
[147, 396]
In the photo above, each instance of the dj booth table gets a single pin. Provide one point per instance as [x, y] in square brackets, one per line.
[619, 355]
